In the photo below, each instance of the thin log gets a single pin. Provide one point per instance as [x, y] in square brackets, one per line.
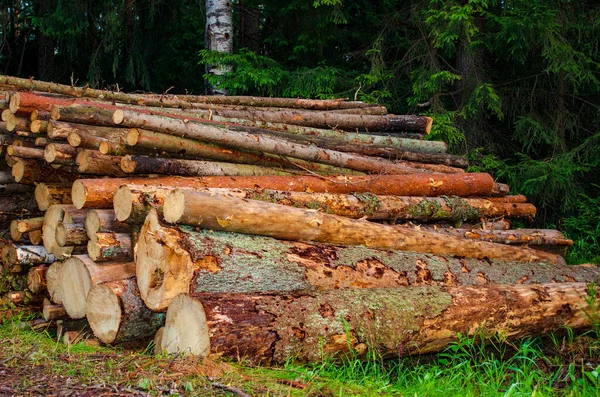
[110, 246]
[38, 126]
[174, 260]
[534, 237]
[159, 165]
[42, 141]
[70, 234]
[14, 188]
[60, 153]
[445, 169]
[35, 237]
[310, 327]
[94, 162]
[26, 255]
[36, 279]
[25, 152]
[51, 312]
[98, 220]
[31, 172]
[54, 216]
[62, 130]
[509, 199]
[133, 202]
[27, 225]
[47, 194]
[151, 140]
[79, 273]
[99, 193]
[116, 313]
[218, 212]
[81, 141]
[263, 143]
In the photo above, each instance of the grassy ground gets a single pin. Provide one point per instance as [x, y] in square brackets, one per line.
[33, 363]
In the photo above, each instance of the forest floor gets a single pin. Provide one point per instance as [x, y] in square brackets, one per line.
[33, 363]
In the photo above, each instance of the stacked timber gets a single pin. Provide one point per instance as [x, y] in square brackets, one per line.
[265, 228]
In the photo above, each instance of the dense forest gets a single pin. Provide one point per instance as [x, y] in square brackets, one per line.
[513, 85]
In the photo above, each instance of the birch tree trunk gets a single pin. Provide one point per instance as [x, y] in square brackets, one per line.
[219, 36]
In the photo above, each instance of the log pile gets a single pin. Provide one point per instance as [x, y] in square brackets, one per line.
[265, 228]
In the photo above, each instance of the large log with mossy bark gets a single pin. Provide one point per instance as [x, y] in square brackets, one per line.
[309, 327]
[171, 260]
[117, 314]
[99, 193]
[231, 214]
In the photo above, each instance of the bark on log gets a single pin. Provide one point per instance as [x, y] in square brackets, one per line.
[62, 130]
[36, 279]
[52, 312]
[55, 215]
[174, 260]
[270, 328]
[98, 220]
[110, 246]
[256, 217]
[24, 206]
[99, 193]
[27, 225]
[47, 194]
[31, 172]
[175, 144]
[25, 152]
[26, 255]
[81, 141]
[38, 126]
[535, 237]
[159, 165]
[263, 143]
[15, 188]
[133, 202]
[509, 199]
[15, 234]
[79, 273]
[60, 153]
[444, 169]
[116, 313]
[374, 207]
[93, 162]
[70, 234]
[6, 175]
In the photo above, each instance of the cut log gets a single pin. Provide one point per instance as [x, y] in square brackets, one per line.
[62, 130]
[533, 237]
[262, 142]
[35, 237]
[110, 246]
[171, 260]
[36, 279]
[55, 215]
[60, 153]
[374, 207]
[159, 165]
[444, 169]
[30, 172]
[15, 234]
[42, 141]
[26, 255]
[79, 273]
[47, 194]
[177, 145]
[99, 193]
[218, 212]
[25, 152]
[70, 234]
[52, 312]
[94, 162]
[310, 327]
[27, 225]
[133, 202]
[53, 282]
[103, 221]
[38, 126]
[81, 141]
[15, 188]
[25, 205]
[116, 313]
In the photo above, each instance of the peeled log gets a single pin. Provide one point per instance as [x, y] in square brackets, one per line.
[160, 165]
[287, 223]
[55, 215]
[99, 193]
[309, 327]
[110, 246]
[47, 194]
[79, 273]
[103, 221]
[172, 260]
[116, 313]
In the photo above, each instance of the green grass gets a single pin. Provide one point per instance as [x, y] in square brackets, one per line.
[561, 364]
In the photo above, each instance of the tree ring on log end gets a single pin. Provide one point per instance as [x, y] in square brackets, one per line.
[75, 284]
[163, 269]
[186, 328]
[104, 313]
[122, 203]
[174, 206]
[78, 194]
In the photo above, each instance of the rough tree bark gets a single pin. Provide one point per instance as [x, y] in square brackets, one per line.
[219, 37]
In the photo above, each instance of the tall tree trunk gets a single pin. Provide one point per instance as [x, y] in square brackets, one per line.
[219, 36]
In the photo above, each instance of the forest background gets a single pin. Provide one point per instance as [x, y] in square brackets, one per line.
[513, 85]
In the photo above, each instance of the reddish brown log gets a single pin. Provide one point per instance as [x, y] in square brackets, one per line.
[25, 152]
[31, 172]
